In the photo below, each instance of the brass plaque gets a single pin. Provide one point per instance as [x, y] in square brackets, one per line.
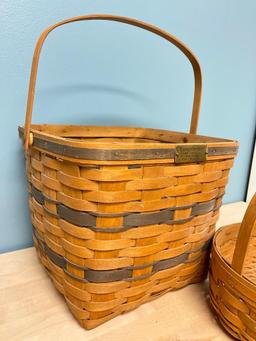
[190, 153]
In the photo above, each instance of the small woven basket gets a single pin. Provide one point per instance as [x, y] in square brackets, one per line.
[122, 215]
[233, 276]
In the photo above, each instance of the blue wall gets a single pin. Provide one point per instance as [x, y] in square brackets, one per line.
[109, 73]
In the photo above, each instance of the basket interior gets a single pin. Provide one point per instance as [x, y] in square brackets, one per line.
[119, 140]
[226, 240]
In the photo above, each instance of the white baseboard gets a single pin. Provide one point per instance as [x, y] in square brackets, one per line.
[232, 213]
[252, 180]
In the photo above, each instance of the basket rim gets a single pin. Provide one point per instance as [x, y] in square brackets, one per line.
[227, 267]
[61, 133]
[61, 140]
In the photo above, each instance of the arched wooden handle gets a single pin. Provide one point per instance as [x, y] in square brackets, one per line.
[247, 226]
[134, 22]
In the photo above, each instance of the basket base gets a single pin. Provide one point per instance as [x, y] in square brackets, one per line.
[76, 303]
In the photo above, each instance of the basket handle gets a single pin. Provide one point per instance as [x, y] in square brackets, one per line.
[247, 226]
[192, 58]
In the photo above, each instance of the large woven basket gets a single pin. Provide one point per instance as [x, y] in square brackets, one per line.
[122, 215]
[233, 276]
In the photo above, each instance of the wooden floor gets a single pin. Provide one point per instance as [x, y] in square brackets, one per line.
[32, 309]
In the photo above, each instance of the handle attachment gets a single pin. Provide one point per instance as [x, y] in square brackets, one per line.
[247, 226]
[192, 58]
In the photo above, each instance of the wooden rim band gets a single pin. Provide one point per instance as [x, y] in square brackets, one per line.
[88, 219]
[120, 154]
[121, 274]
[155, 30]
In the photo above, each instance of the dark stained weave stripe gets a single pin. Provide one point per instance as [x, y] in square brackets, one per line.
[76, 217]
[118, 154]
[142, 219]
[38, 195]
[55, 257]
[130, 220]
[204, 207]
[105, 276]
[169, 263]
